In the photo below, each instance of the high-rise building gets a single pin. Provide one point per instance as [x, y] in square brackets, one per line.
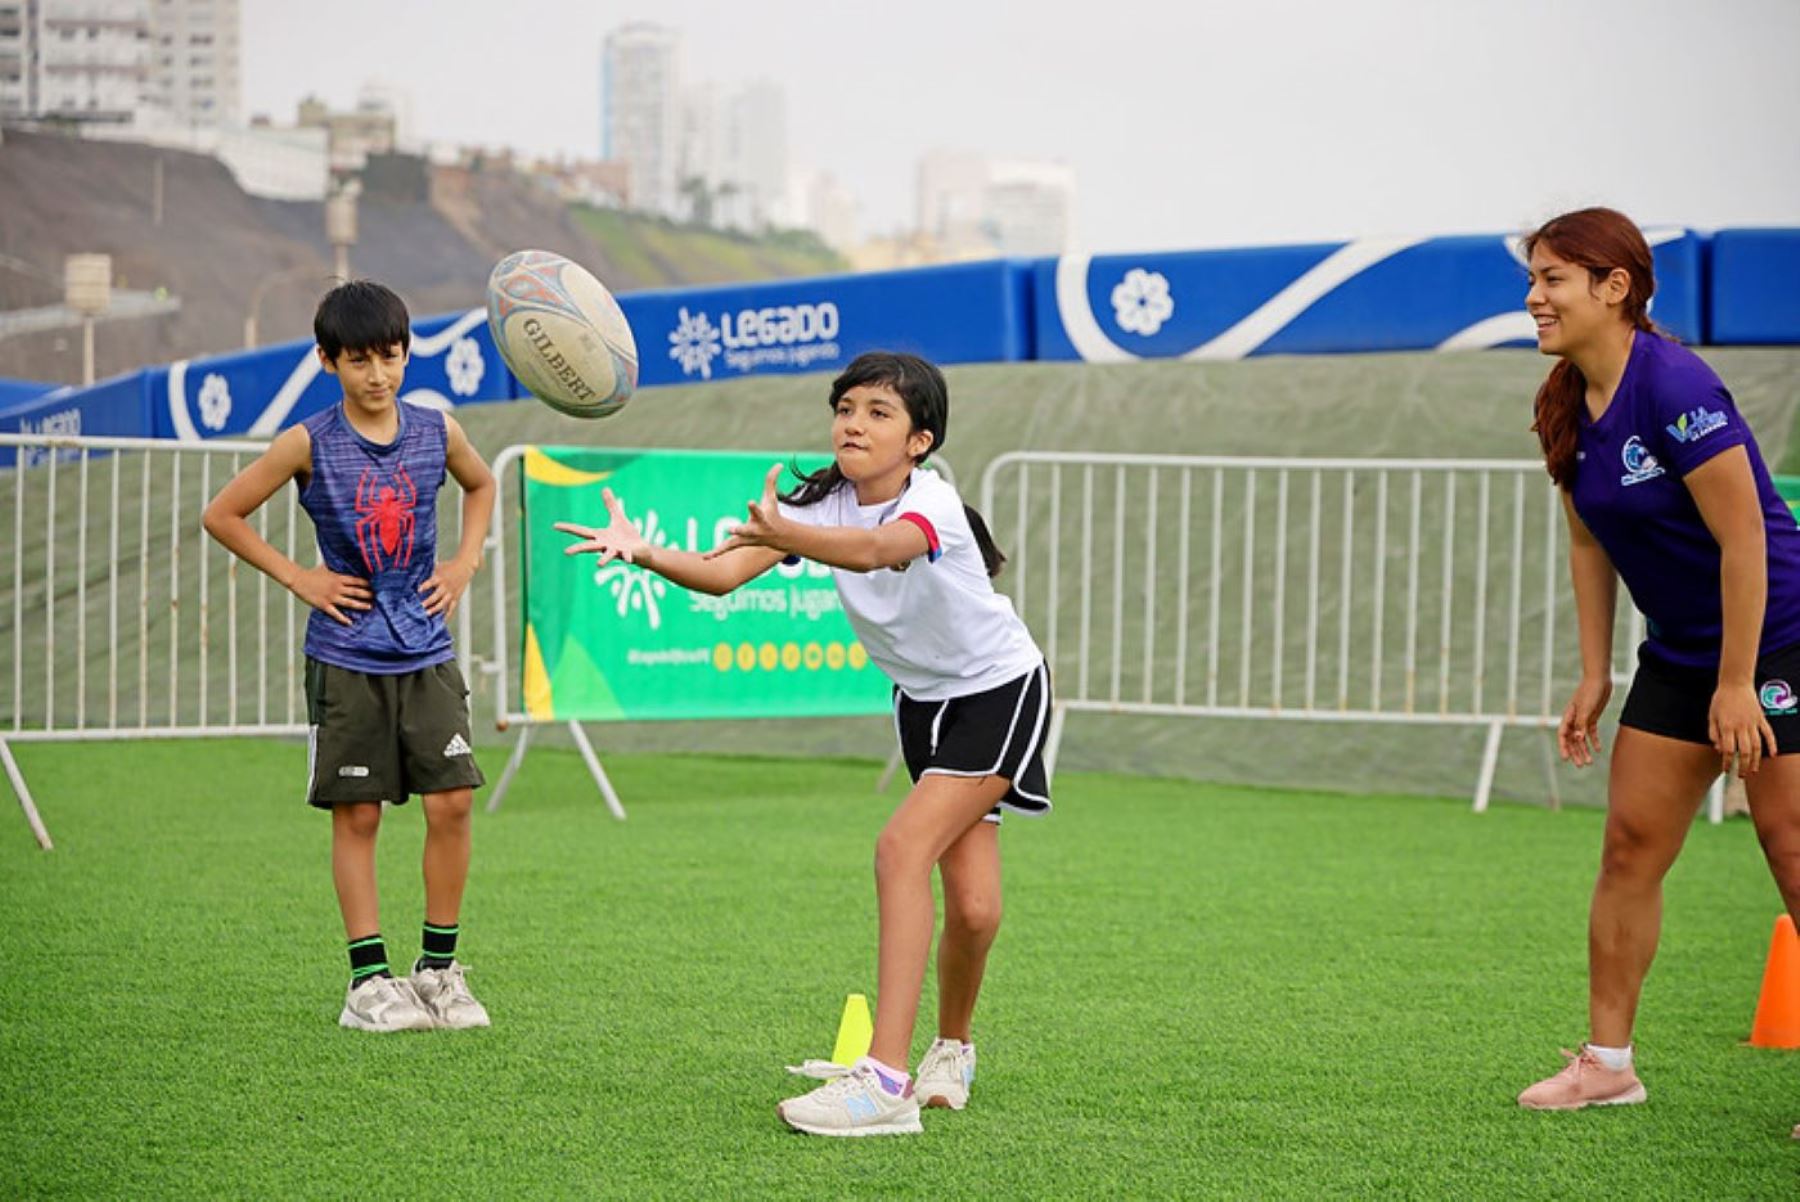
[151, 64]
[641, 111]
[1028, 207]
[733, 169]
[91, 59]
[972, 205]
[196, 80]
[818, 202]
[18, 54]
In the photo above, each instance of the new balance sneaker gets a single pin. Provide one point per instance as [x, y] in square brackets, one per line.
[445, 994]
[853, 1104]
[945, 1075]
[384, 1004]
[1584, 1081]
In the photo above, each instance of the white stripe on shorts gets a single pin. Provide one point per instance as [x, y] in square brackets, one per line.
[1031, 749]
[312, 760]
[1013, 728]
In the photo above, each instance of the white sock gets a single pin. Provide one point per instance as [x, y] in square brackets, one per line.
[1616, 1059]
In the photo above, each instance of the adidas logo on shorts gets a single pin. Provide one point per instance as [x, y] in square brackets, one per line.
[456, 746]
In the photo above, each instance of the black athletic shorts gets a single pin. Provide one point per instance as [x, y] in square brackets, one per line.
[1671, 700]
[996, 733]
[381, 738]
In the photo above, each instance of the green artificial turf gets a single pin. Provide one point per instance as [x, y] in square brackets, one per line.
[1198, 991]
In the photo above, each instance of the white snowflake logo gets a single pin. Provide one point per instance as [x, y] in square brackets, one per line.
[1141, 301]
[633, 587]
[694, 343]
[215, 401]
[464, 367]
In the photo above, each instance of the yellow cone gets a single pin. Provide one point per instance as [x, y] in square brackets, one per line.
[855, 1031]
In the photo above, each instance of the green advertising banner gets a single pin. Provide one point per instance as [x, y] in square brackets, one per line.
[617, 643]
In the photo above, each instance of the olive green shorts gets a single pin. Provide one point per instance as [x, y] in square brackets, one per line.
[383, 738]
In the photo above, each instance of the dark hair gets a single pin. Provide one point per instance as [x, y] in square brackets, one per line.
[1603, 241]
[921, 387]
[361, 315]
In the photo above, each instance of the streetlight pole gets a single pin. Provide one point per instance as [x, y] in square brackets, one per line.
[340, 227]
[263, 287]
[87, 289]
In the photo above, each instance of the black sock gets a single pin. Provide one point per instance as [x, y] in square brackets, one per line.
[368, 959]
[438, 948]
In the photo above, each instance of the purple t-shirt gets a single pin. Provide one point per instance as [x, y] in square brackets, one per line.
[1671, 414]
[374, 507]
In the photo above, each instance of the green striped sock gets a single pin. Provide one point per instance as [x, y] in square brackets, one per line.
[438, 946]
[368, 959]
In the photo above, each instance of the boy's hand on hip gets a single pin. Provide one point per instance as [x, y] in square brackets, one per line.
[331, 592]
[445, 588]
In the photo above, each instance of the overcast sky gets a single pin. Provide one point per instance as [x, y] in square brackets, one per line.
[1188, 122]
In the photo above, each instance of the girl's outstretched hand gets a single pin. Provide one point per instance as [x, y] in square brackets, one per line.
[763, 527]
[619, 539]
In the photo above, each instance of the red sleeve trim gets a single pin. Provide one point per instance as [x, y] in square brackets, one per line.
[933, 548]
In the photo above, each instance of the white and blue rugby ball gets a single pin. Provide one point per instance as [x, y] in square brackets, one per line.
[562, 333]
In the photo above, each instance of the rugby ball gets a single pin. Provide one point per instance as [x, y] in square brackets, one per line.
[562, 333]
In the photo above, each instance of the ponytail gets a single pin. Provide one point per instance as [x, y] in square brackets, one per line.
[815, 486]
[991, 556]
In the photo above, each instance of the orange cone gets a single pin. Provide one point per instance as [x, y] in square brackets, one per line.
[1778, 1007]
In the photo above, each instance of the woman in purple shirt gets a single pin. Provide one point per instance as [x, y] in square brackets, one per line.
[1664, 487]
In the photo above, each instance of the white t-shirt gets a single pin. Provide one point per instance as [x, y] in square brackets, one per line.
[935, 625]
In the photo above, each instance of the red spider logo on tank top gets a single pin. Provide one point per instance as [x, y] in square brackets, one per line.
[384, 531]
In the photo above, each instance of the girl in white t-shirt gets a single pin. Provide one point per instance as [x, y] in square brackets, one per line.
[913, 566]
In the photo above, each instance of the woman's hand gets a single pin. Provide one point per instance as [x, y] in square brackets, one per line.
[619, 539]
[1738, 729]
[764, 527]
[1578, 735]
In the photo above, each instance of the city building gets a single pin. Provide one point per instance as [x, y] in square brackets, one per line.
[733, 171]
[90, 59]
[971, 205]
[195, 71]
[150, 65]
[641, 112]
[353, 135]
[18, 55]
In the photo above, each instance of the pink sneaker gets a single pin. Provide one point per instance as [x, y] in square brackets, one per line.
[1584, 1081]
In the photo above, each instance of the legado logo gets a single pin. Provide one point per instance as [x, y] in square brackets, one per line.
[774, 336]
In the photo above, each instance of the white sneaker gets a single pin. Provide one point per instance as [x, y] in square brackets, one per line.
[945, 1075]
[384, 1004]
[445, 994]
[853, 1104]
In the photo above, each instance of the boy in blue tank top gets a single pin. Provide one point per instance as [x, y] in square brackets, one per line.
[385, 700]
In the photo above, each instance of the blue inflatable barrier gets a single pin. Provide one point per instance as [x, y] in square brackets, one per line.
[967, 313]
[14, 392]
[1755, 287]
[1370, 295]
[259, 392]
[115, 408]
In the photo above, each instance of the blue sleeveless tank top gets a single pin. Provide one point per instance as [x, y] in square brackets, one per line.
[374, 507]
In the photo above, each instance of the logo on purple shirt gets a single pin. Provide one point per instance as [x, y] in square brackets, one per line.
[1640, 464]
[1697, 424]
